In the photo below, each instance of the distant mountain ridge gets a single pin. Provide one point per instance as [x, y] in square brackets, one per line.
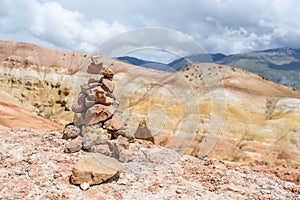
[203, 58]
[281, 65]
[134, 60]
[175, 65]
[145, 63]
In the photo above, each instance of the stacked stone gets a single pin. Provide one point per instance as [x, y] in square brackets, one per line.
[96, 118]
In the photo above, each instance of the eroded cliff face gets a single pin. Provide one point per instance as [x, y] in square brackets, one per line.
[241, 118]
[40, 79]
[49, 97]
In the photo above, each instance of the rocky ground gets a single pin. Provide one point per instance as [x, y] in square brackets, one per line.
[34, 166]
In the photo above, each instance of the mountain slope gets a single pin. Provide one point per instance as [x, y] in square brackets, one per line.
[135, 61]
[260, 117]
[175, 65]
[146, 63]
[280, 65]
[13, 116]
[197, 58]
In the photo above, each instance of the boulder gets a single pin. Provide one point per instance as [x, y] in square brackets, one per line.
[116, 123]
[95, 168]
[95, 78]
[108, 85]
[97, 94]
[123, 142]
[108, 101]
[107, 72]
[89, 140]
[95, 68]
[74, 145]
[142, 132]
[120, 149]
[97, 59]
[70, 132]
[101, 148]
[78, 104]
[78, 119]
[112, 125]
[85, 87]
[98, 113]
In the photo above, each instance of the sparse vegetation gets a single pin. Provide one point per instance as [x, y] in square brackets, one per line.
[49, 115]
[39, 113]
[265, 163]
[264, 78]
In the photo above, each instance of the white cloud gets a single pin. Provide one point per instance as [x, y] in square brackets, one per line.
[227, 26]
[168, 44]
[53, 24]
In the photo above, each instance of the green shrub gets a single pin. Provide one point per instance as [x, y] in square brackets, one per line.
[298, 178]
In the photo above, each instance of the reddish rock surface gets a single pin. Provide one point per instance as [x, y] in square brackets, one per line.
[291, 174]
[33, 166]
[107, 73]
[112, 125]
[108, 85]
[14, 116]
[98, 113]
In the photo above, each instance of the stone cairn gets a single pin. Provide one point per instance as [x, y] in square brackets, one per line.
[98, 127]
[97, 119]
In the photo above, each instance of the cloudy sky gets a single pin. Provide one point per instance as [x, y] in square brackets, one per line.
[226, 26]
